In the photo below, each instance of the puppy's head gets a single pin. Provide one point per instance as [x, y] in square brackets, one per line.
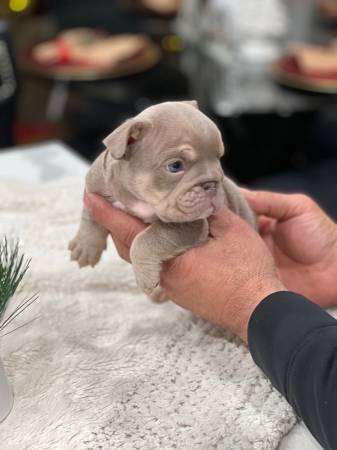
[169, 158]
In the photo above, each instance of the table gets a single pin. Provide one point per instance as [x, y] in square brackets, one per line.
[41, 163]
[53, 160]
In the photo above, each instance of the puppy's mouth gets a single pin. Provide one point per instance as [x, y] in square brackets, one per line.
[200, 202]
[178, 216]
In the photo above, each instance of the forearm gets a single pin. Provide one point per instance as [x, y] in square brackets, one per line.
[295, 344]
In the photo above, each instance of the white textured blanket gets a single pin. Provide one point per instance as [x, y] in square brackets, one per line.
[104, 368]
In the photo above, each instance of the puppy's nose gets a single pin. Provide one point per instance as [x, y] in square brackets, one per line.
[210, 186]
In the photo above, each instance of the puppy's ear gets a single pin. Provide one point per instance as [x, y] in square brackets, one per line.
[125, 136]
[193, 103]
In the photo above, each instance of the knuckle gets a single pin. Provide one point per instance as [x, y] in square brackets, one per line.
[303, 200]
[129, 236]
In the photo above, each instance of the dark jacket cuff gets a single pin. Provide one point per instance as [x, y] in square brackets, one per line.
[277, 327]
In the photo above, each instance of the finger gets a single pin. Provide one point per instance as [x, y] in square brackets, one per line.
[220, 222]
[121, 225]
[122, 249]
[275, 205]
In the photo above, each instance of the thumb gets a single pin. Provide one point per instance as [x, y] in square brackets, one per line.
[277, 206]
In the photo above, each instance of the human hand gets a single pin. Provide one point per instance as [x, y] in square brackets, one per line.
[222, 280]
[303, 241]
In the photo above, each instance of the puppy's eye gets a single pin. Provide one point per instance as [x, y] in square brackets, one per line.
[175, 166]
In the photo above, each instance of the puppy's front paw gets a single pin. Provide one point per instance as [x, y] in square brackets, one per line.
[158, 295]
[147, 280]
[86, 252]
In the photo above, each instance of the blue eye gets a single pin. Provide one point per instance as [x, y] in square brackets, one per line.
[175, 167]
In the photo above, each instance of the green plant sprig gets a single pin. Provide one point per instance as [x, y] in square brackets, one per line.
[13, 267]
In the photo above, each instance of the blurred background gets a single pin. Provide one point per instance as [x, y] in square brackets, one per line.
[264, 70]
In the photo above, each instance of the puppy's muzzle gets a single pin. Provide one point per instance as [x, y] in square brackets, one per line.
[198, 197]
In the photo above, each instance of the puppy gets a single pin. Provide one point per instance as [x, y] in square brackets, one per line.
[162, 166]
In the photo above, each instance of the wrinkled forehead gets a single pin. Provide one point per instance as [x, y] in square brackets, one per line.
[176, 129]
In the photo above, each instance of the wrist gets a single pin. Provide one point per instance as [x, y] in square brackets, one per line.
[251, 295]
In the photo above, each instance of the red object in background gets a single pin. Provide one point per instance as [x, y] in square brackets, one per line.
[288, 72]
[328, 9]
[115, 55]
[290, 65]
[28, 133]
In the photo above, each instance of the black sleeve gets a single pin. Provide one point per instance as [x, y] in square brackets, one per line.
[295, 343]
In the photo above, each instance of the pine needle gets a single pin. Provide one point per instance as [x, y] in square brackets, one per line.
[13, 267]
